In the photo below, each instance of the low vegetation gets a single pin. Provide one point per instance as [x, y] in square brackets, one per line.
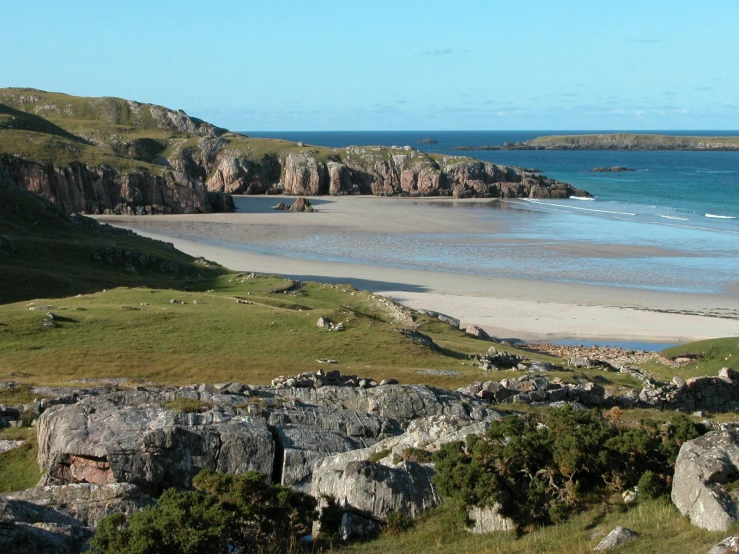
[18, 467]
[541, 470]
[225, 513]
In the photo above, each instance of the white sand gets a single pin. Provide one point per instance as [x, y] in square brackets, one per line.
[507, 308]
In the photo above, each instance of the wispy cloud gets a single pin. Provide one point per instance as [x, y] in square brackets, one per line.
[438, 52]
[647, 40]
[563, 95]
[703, 88]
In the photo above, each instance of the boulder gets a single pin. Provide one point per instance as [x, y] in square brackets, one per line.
[377, 489]
[478, 332]
[702, 467]
[76, 504]
[489, 520]
[42, 538]
[729, 545]
[101, 441]
[616, 538]
[302, 446]
[354, 527]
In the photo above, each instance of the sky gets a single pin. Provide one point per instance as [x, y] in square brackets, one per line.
[390, 65]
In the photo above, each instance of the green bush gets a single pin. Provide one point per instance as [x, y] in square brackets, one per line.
[540, 470]
[651, 485]
[225, 513]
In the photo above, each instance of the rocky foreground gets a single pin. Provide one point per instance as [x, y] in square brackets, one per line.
[115, 156]
[115, 446]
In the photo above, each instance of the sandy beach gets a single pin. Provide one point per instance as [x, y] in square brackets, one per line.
[527, 309]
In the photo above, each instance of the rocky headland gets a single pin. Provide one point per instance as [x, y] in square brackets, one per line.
[115, 156]
[624, 141]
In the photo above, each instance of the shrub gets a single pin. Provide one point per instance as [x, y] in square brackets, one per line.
[541, 470]
[379, 455]
[651, 485]
[225, 513]
[418, 455]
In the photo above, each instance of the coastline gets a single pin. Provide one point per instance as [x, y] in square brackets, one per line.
[508, 308]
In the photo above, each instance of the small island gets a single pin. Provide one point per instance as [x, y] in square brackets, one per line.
[614, 169]
[428, 141]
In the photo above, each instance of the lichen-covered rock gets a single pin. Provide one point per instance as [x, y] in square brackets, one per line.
[376, 489]
[615, 539]
[42, 538]
[84, 503]
[354, 527]
[99, 441]
[729, 545]
[703, 466]
[302, 446]
[489, 520]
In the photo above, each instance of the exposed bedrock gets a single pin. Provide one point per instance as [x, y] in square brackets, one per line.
[131, 437]
[379, 171]
[375, 481]
[101, 441]
[77, 188]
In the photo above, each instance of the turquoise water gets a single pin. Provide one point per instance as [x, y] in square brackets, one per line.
[672, 224]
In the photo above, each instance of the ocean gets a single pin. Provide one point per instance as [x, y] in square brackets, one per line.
[672, 224]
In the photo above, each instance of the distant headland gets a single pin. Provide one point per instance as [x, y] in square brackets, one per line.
[617, 141]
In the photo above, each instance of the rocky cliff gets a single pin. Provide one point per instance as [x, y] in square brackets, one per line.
[381, 171]
[109, 155]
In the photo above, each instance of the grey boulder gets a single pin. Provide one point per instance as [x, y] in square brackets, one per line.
[615, 539]
[703, 466]
[99, 441]
[727, 546]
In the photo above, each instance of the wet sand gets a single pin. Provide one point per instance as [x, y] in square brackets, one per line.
[507, 308]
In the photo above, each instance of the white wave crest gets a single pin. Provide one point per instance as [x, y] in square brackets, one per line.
[582, 198]
[720, 216]
[675, 217]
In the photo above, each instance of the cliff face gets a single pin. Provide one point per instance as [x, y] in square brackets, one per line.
[110, 155]
[78, 188]
[381, 171]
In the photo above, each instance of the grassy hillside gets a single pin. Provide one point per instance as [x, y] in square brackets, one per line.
[52, 254]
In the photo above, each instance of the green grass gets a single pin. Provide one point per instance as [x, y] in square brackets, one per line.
[661, 527]
[715, 354]
[18, 467]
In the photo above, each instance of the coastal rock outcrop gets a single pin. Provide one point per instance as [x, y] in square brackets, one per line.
[81, 504]
[100, 441]
[704, 465]
[77, 188]
[392, 475]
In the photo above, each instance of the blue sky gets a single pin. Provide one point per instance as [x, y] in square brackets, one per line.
[390, 65]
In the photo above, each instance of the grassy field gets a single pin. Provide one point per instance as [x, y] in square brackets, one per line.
[18, 467]
[712, 354]
[661, 528]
